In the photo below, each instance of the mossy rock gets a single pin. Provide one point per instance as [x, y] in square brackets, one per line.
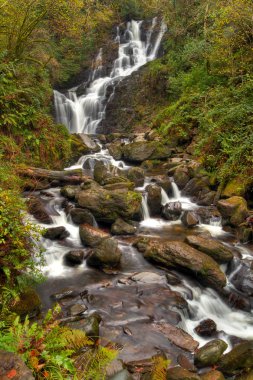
[29, 303]
[235, 187]
[239, 358]
[178, 373]
[234, 210]
[210, 353]
[213, 375]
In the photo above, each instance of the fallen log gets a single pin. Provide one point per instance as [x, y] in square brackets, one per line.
[74, 177]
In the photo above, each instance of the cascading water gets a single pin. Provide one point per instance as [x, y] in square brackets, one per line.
[83, 114]
[124, 297]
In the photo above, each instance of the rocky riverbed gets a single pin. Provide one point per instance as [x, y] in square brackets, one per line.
[150, 257]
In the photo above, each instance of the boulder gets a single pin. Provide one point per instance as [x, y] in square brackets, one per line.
[145, 150]
[106, 254]
[172, 279]
[172, 210]
[245, 233]
[235, 187]
[126, 185]
[211, 247]
[213, 375]
[164, 182]
[70, 191]
[76, 310]
[89, 325]
[37, 209]
[242, 279]
[245, 376]
[185, 363]
[239, 358]
[12, 367]
[120, 227]
[178, 373]
[29, 303]
[136, 175]
[189, 219]
[182, 256]
[56, 233]
[206, 197]
[234, 210]
[210, 353]
[101, 172]
[196, 186]
[91, 236]
[81, 216]
[76, 257]
[206, 328]
[154, 199]
[181, 176]
[122, 375]
[64, 294]
[208, 215]
[115, 150]
[82, 144]
[177, 336]
[109, 205]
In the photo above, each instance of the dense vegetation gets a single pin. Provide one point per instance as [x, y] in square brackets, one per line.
[207, 66]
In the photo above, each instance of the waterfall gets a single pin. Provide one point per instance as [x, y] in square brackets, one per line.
[83, 114]
[144, 206]
[165, 198]
[176, 191]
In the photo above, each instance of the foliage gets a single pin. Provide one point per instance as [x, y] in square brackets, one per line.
[159, 370]
[50, 350]
[209, 83]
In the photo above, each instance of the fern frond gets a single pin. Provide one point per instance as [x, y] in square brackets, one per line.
[76, 339]
[159, 369]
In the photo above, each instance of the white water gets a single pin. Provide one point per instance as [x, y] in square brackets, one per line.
[83, 114]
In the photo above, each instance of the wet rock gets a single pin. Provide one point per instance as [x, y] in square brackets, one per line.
[75, 257]
[12, 367]
[119, 186]
[181, 255]
[154, 199]
[109, 205]
[164, 182]
[208, 215]
[177, 336]
[178, 373]
[29, 303]
[245, 233]
[120, 227]
[77, 309]
[181, 176]
[122, 375]
[56, 233]
[38, 210]
[206, 197]
[241, 357]
[173, 279]
[211, 247]
[172, 210]
[136, 175]
[115, 150]
[92, 146]
[243, 278]
[185, 363]
[196, 186]
[91, 236]
[189, 219]
[81, 216]
[89, 325]
[143, 150]
[206, 328]
[70, 191]
[101, 172]
[147, 278]
[234, 210]
[236, 300]
[210, 353]
[106, 254]
[82, 144]
[235, 187]
[213, 375]
[65, 293]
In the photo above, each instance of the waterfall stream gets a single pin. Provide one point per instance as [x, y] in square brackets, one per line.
[83, 114]
[119, 303]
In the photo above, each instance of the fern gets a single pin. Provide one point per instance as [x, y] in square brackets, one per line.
[76, 339]
[159, 369]
[92, 364]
